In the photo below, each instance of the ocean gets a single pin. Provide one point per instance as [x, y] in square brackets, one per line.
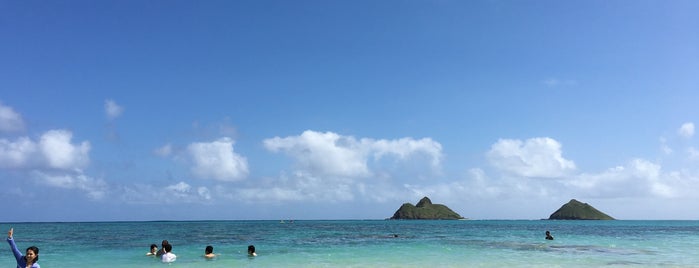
[364, 243]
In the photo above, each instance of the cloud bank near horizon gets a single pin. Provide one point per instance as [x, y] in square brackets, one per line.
[331, 167]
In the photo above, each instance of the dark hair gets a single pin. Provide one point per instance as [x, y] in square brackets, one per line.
[165, 243]
[251, 249]
[167, 247]
[209, 250]
[36, 252]
[153, 246]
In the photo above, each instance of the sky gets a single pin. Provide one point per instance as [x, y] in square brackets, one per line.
[235, 110]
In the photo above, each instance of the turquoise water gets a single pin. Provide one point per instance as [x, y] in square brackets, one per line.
[371, 243]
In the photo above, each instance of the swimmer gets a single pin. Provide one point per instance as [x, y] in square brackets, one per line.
[251, 251]
[168, 256]
[153, 250]
[162, 249]
[548, 236]
[209, 252]
[28, 260]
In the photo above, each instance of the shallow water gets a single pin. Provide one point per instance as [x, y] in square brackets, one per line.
[370, 243]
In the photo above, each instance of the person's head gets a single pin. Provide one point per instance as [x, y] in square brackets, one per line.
[32, 254]
[153, 247]
[165, 242]
[251, 249]
[167, 247]
[548, 233]
[209, 250]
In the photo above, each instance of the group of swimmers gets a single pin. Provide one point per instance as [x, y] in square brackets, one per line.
[165, 253]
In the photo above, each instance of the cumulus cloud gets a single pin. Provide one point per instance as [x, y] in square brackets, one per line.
[299, 186]
[94, 188]
[536, 157]
[180, 192]
[328, 166]
[54, 150]
[112, 109]
[686, 130]
[638, 178]
[17, 154]
[204, 193]
[10, 121]
[406, 147]
[217, 160]
[324, 153]
[60, 153]
[331, 154]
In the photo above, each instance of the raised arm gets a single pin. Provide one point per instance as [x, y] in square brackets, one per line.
[15, 251]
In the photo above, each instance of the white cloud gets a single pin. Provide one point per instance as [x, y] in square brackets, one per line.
[536, 157]
[330, 154]
[686, 130]
[10, 121]
[328, 165]
[217, 160]
[638, 178]
[94, 188]
[164, 151]
[300, 187]
[60, 153]
[54, 150]
[17, 154]
[112, 109]
[180, 189]
[323, 153]
[204, 193]
[405, 147]
[180, 192]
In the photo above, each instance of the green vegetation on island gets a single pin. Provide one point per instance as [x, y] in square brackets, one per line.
[425, 210]
[576, 210]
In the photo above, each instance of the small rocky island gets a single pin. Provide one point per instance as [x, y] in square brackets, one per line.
[425, 210]
[576, 210]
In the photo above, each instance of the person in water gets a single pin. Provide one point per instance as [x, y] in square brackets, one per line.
[32, 254]
[548, 236]
[162, 249]
[153, 250]
[209, 252]
[251, 251]
[168, 256]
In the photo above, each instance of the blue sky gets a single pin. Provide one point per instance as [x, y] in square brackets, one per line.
[188, 110]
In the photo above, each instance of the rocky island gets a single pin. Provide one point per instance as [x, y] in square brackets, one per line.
[576, 210]
[425, 210]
